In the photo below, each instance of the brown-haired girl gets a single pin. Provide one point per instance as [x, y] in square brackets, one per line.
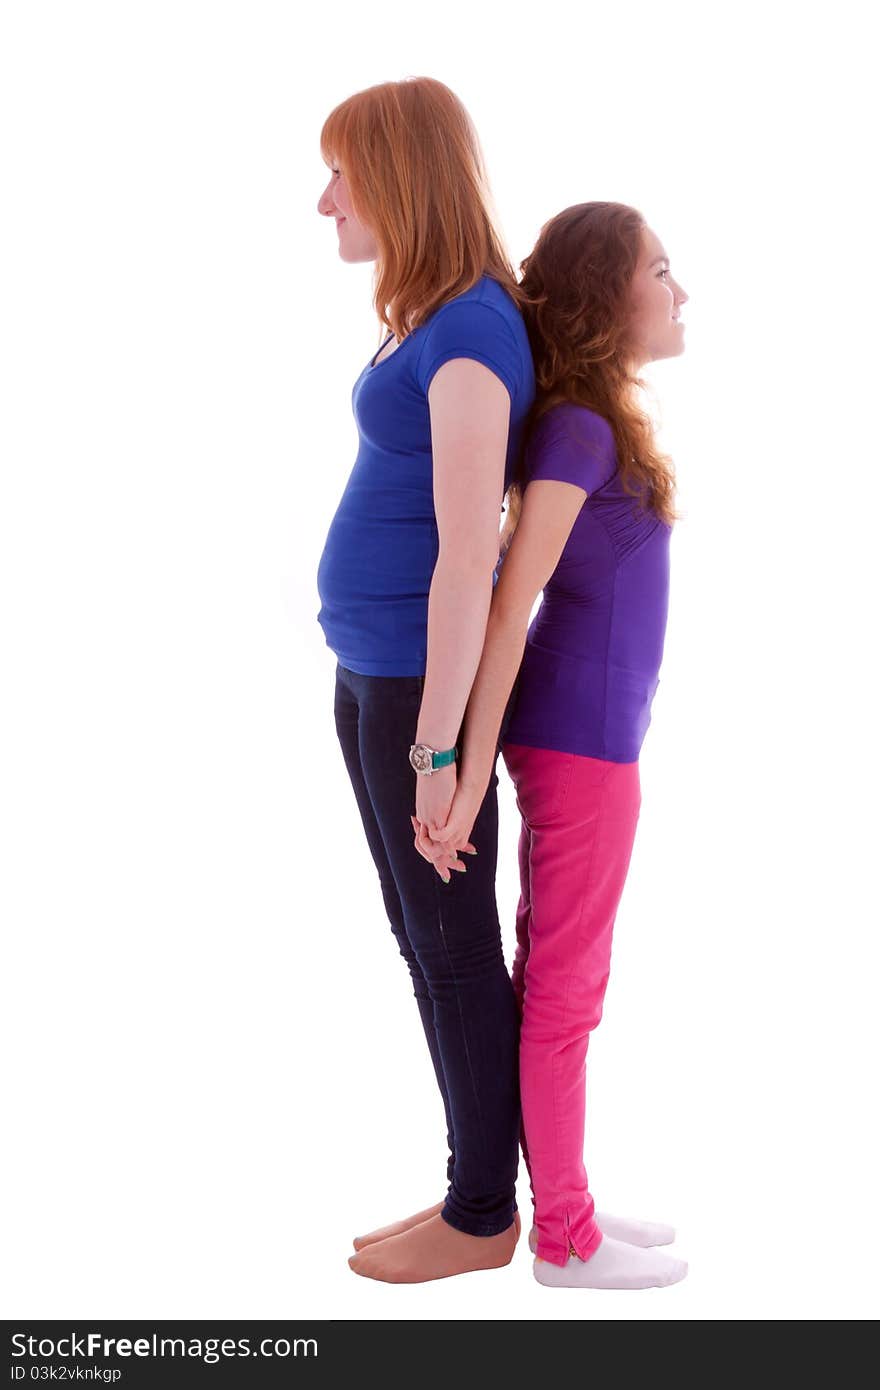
[593, 533]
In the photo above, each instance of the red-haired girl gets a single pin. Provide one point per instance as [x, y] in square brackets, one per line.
[595, 512]
[406, 582]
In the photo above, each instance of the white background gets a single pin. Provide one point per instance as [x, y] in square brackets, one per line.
[216, 1074]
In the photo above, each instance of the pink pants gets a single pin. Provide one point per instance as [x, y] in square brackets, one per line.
[579, 819]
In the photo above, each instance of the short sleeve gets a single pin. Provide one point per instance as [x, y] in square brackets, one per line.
[572, 446]
[475, 330]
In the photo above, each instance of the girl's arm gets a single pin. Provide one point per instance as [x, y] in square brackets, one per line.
[470, 419]
[549, 512]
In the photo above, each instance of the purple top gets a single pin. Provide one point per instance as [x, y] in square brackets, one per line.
[593, 651]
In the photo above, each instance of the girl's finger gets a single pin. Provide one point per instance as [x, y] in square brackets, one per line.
[447, 832]
[427, 843]
[417, 841]
[439, 862]
[448, 861]
[422, 846]
[443, 858]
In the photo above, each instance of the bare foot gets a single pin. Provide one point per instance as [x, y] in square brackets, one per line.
[397, 1228]
[433, 1250]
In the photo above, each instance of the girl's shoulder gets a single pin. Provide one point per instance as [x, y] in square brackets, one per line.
[485, 294]
[484, 323]
[572, 444]
[577, 423]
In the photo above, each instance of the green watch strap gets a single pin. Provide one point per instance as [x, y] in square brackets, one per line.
[444, 759]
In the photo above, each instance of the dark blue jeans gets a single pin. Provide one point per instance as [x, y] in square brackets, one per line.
[450, 937]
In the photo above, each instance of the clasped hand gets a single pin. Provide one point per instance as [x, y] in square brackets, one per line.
[445, 814]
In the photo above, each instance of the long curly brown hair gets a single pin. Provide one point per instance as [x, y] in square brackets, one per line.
[577, 296]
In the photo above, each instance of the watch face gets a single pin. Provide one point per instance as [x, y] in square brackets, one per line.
[421, 757]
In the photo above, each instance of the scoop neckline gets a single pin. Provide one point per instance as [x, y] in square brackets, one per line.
[373, 364]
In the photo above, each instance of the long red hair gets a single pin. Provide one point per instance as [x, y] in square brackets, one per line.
[417, 179]
[577, 285]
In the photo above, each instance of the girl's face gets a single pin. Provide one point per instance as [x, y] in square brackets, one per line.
[355, 240]
[656, 299]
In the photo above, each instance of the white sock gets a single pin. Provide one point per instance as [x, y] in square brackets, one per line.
[626, 1228]
[614, 1265]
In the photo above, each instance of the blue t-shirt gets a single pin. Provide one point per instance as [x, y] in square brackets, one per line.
[382, 547]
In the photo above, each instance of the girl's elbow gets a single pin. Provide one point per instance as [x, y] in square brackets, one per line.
[478, 563]
[507, 619]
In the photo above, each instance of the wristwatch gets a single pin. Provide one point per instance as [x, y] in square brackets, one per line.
[427, 760]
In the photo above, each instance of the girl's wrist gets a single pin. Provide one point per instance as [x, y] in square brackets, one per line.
[438, 745]
[471, 779]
